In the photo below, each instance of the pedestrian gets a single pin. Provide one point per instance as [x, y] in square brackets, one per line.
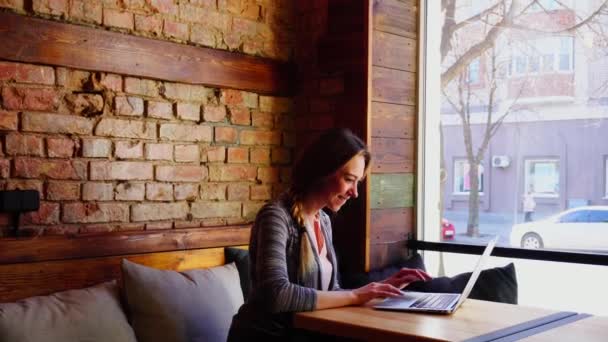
[529, 205]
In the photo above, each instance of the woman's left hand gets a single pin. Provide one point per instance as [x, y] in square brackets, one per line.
[405, 276]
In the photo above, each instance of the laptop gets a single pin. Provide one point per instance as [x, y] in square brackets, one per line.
[443, 303]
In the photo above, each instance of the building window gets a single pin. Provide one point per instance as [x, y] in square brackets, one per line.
[462, 180]
[533, 56]
[606, 177]
[473, 73]
[542, 177]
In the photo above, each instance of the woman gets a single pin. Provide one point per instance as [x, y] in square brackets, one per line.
[293, 262]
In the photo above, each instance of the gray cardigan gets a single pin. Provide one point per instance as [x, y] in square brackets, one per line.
[274, 252]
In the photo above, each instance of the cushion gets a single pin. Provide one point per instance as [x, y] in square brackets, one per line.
[497, 284]
[240, 257]
[90, 314]
[189, 306]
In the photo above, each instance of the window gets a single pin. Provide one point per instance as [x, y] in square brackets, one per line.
[462, 181]
[565, 54]
[473, 74]
[575, 216]
[598, 216]
[542, 177]
[532, 56]
[606, 177]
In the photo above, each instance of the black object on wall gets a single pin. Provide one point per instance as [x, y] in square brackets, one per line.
[16, 202]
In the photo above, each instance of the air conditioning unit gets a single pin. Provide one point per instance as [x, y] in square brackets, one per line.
[500, 161]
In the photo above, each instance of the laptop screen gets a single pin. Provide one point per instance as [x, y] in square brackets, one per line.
[482, 260]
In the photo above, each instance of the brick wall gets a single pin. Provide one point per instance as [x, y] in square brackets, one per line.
[112, 152]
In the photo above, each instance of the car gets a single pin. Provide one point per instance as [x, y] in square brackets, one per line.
[447, 230]
[582, 228]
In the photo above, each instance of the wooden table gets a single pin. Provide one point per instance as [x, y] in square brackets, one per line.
[472, 319]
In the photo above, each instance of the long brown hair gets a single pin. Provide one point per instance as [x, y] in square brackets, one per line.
[320, 160]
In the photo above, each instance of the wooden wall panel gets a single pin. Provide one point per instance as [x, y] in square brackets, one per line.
[384, 254]
[393, 155]
[392, 190]
[393, 86]
[389, 225]
[396, 16]
[33, 40]
[393, 51]
[393, 121]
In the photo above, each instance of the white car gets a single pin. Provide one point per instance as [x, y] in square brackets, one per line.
[583, 228]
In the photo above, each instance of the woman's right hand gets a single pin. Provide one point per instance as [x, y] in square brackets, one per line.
[371, 291]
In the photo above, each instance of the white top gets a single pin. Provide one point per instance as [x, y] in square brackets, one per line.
[325, 265]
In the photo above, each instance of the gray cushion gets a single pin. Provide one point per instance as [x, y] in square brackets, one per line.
[189, 306]
[90, 314]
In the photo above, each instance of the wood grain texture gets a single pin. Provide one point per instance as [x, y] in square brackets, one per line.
[393, 155]
[393, 121]
[392, 190]
[393, 86]
[46, 248]
[397, 17]
[393, 51]
[41, 278]
[32, 40]
[384, 254]
[390, 225]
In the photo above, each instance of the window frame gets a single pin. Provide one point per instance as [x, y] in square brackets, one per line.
[530, 160]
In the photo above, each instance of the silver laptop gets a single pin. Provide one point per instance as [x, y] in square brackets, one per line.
[445, 303]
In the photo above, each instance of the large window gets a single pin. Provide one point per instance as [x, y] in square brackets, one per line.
[539, 113]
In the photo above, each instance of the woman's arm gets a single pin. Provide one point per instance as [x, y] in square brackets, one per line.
[334, 299]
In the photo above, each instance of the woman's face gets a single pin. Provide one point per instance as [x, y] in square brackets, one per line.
[342, 185]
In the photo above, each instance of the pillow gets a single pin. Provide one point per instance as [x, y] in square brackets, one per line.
[495, 284]
[353, 281]
[189, 306]
[90, 314]
[241, 259]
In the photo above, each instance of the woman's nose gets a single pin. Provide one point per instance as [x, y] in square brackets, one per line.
[353, 191]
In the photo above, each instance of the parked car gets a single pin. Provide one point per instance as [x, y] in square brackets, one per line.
[583, 228]
[447, 230]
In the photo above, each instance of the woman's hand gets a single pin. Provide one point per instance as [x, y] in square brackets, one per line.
[374, 290]
[405, 276]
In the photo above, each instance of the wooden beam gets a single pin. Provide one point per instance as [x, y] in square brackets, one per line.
[33, 40]
[47, 248]
[392, 190]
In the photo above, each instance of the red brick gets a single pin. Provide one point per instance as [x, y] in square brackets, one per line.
[213, 191]
[14, 4]
[54, 123]
[52, 7]
[121, 170]
[213, 222]
[129, 149]
[238, 155]
[159, 225]
[84, 104]
[131, 106]
[179, 132]
[183, 173]
[72, 79]
[48, 213]
[165, 7]
[53, 169]
[26, 73]
[173, 29]
[248, 9]
[8, 120]
[275, 104]
[229, 173]
[206, 209]
[61, 230]
[25, 184]
[200, 15]
[96, 228]
[130, 226]
[281, 155]
[238, 191]
[214, 113]
[250, 209]
[262, 119]
[111, 82]
[96, 148]
[186, 224]
[160, 110]
[260, 137]
[239, 116]
[24, 144]
[5, 168]
[139, 86]
[232, 97]
[159, 211]
[86, 10]
[186, 92]
[115, 18]
[261, 192]
[225, 135]
[60, 191]
[268, 174]
[60, 147]
[40, 99]
[260, 156]
[189, 111]
[187, 153]
[210, 4]
[159, 192]
[126, 129]
[130, 191]
[96, 191]
[159, 152]
[216, 154]
[95, 212]
[186, 192]
[149, 23]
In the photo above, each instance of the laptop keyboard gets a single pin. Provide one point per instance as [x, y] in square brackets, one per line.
[434, 301]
